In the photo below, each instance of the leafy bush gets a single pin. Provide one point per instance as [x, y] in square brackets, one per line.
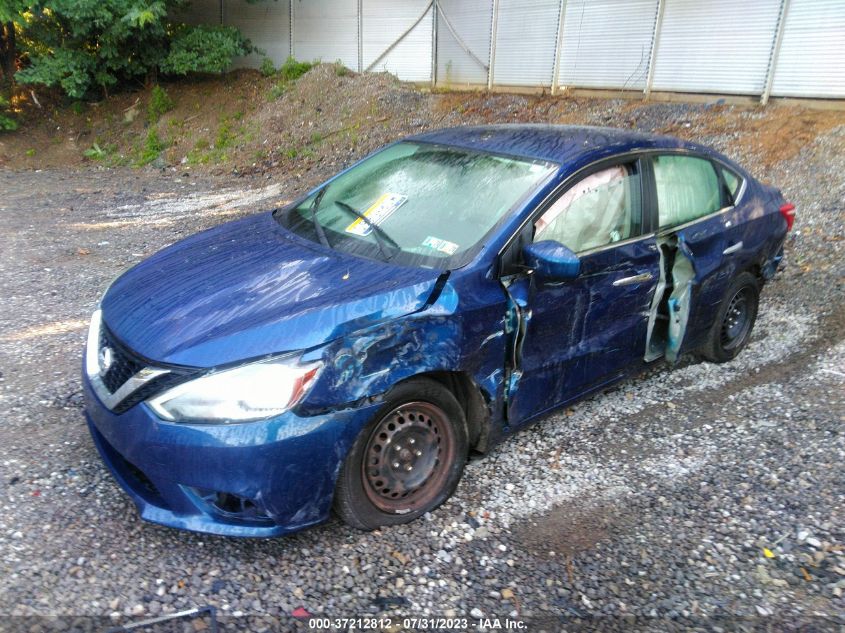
[204, 49]
[160, 103]
[81, 46]
[267, 68]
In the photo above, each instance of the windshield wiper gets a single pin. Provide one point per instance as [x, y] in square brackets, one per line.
[380, 234]
[318, 228]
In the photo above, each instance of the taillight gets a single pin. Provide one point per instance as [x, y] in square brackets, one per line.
[788, 213]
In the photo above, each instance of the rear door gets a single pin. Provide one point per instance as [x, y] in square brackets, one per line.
[697, 224]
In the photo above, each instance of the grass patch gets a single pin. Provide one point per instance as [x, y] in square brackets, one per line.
[292, 70]
[225, 135]
[95, 152]
[289, 72]
[151, 149]
[160, 103]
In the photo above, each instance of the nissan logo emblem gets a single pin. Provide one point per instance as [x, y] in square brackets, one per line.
[106, 359]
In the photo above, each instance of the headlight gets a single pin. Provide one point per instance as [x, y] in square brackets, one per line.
[249, 392]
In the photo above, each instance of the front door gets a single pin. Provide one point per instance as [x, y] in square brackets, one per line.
[573, 335]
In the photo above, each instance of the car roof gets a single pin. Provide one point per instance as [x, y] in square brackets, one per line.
[563, 144]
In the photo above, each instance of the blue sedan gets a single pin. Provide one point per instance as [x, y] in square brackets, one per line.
[348, 351]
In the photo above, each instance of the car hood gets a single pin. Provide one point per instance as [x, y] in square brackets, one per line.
[248, 288]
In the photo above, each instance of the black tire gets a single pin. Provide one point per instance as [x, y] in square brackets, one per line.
[423, 428]
[734, 321]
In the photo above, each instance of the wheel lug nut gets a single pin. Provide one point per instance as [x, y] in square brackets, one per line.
[411, 440]
[409, 468]
[396, 464]
[418, 453]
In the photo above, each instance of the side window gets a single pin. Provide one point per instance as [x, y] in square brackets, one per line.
[603, 208]
[732, 182]
[687, 189]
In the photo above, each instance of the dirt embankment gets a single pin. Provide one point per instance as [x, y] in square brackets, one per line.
[246, 123]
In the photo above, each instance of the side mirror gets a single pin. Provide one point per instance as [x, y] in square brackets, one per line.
[552, 260]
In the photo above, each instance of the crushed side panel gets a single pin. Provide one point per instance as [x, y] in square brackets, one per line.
[683, 279]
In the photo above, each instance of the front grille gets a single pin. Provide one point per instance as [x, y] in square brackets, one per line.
[124, 364]
[152, 388]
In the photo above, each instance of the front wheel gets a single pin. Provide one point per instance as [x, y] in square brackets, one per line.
[407, 461]
[734, 320]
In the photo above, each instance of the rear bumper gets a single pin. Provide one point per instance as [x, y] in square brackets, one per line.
[282, 471]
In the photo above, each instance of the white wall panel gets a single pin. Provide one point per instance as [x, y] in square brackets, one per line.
[383, 22]
[326, 30]
[721, 46]
[607, 43]
[711, 46]
[472, 21]
[266, 24]
[811, 62]
[526, 37]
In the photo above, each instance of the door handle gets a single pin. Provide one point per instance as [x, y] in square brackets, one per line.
[732, 249]
[636, 279]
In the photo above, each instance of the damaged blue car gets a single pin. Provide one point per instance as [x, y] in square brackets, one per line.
[347, 352]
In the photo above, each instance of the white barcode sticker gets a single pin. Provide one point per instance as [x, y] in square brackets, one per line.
[444, 246]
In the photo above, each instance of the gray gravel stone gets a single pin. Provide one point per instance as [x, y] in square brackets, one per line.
[659, 498]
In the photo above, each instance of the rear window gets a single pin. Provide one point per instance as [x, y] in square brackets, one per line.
[687, 189]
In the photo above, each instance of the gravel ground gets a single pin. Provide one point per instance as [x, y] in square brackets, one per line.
[697, 497]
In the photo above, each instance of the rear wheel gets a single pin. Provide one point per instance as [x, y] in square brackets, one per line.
[407, 461]
[734, 320]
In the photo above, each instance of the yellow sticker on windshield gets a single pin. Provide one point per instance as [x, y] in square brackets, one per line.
[377, 213]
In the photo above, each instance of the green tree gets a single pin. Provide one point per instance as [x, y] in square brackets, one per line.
[84, 46]
[11, 14]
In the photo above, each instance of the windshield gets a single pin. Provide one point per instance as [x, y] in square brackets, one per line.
[416, 204]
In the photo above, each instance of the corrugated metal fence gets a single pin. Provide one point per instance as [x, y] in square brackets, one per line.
[755, 47]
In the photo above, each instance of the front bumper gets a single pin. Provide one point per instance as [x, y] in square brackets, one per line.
[282, 470]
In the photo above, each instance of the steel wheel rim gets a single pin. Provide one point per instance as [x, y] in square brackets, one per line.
[407, 457]
[737, 321]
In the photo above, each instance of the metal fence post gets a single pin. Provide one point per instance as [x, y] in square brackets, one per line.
[434, 43]
[360, 35]
[291, 19]
[773, 58]
[655, 40]
[558, 46]
[494, 27]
